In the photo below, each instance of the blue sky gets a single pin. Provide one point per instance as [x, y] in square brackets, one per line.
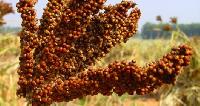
[187, 11]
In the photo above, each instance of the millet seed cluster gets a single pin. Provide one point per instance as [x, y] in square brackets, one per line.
[56, 55]
[5, 8]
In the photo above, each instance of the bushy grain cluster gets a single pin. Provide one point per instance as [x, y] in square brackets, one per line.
[5, 9]
[57, 54]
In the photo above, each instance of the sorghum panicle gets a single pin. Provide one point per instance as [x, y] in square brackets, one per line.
[159, 18]
[174, 20]
[167, 27]
[72, 35]
[5, 9]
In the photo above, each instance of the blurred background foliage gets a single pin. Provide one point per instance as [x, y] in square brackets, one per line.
[152, 30]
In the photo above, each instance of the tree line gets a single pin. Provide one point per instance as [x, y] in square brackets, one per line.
[152, 31]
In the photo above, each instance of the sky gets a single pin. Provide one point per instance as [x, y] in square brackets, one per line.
[187, 11]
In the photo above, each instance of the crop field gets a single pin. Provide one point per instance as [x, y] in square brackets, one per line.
[99, 53]
[186, 92]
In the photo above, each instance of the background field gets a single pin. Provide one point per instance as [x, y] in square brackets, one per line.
[186, 92]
